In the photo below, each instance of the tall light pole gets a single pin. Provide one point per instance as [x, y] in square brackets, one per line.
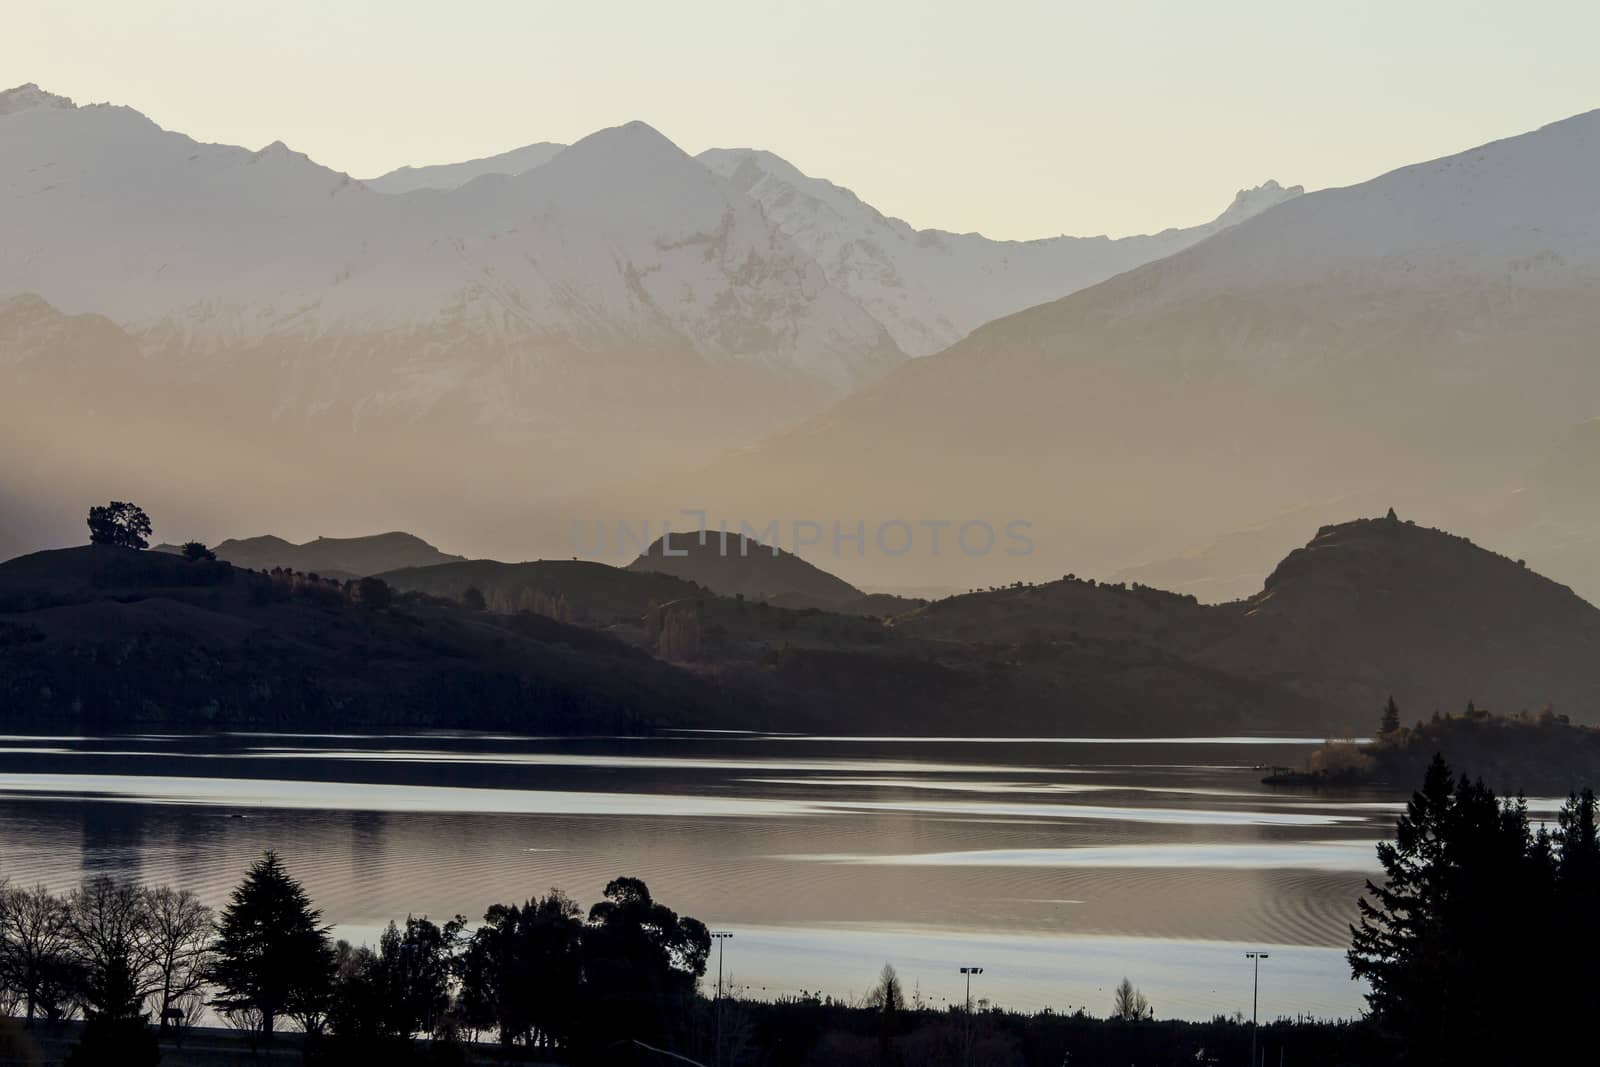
[969, 972]
[719, 936]
[1255, 999]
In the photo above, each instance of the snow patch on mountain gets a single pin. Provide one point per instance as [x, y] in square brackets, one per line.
[620, 245]
[931, 287]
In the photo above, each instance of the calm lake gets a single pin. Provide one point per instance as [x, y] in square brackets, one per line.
[1059, 866]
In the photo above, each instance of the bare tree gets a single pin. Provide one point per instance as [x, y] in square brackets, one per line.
[35, 940]
[887, 996]
[180, 929]
[114, 944]
[1129, 1004]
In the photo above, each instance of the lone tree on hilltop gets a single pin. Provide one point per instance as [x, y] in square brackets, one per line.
[119, 524]
[196, 552]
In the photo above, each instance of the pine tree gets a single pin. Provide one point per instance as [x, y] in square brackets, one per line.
[1466, 886]
[273, 957]
[1391, 718]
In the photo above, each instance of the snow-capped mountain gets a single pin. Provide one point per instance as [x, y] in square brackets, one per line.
[620, 258]
[929, 288]
[1424, 337]
[933, 287]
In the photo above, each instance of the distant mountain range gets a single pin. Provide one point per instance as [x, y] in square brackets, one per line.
[528, 318]
[930, 288]
[615, 329]
[1423, 337]
[329, 557]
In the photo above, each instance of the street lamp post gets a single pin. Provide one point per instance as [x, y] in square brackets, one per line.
[1255, 999]
[719, 936]
[969, 972]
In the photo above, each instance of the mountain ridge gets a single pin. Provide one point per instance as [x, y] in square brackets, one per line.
[1254, 373]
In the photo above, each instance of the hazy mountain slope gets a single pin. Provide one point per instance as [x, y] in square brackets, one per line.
[1366, 609]
[1428, 331]
[932, 287]
[452, 175]
[929, 288]
[619, 262]
[747, 569]
[496, 345]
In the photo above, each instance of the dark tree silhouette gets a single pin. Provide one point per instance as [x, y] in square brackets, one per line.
[196, 552]
[374, 593]
[114, 945]
[273, 956]
[521, 971]
[473, 600]
[1577, 912]
[642, 963]
[1390, 723]
[180, 931]
[35, 938]
[120, 524]
[1130, 1005]
[1472, 896]
[887, 1000]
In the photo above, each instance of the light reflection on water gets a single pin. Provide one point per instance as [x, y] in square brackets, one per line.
[828, 857]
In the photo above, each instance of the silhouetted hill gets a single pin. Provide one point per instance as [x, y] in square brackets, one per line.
[1380, 606]
[595, 593]
[330, 557]
[1428, 330]
[112, 639]
[1368, 608]
[746, 568]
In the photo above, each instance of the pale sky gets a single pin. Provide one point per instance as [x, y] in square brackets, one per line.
[1018, 118]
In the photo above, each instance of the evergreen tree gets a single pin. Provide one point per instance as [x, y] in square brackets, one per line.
[1391, 719]
[272, 955]
[1467, 886]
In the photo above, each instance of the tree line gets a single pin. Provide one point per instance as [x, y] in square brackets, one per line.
[543, 974]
